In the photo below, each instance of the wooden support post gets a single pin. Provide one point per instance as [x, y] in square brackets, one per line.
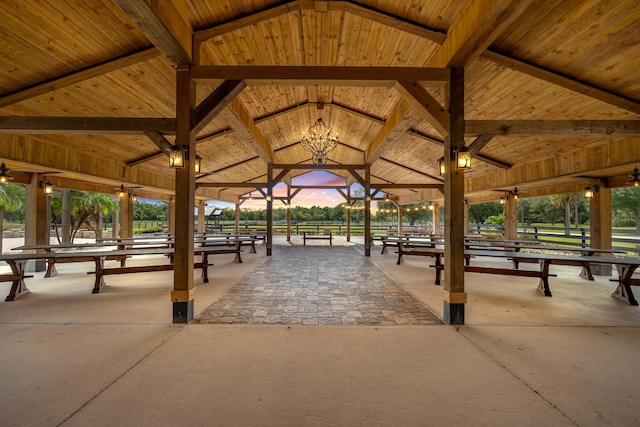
[367, 210]
[600, 224]
[237, 216]
[126, 215]
[511, 218]
[115, 223]
[182, 294]
[349, 214]
[454, 295]
[466, 218]
[66, 216]
[269, 209]
[36, 219]
[172, 215]
[436, 219]
[288, 213]
[400, 220]
[201, 216]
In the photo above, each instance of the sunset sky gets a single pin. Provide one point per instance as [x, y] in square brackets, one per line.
[306, 197]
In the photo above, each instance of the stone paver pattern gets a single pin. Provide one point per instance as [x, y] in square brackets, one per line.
[318, 285]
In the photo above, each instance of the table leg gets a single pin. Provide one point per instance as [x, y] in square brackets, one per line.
[99, 283]
[238, 259]
[544, 277]
[205, 267]
[51, 268]
[623, 292]
[18, 286]
[439, 268]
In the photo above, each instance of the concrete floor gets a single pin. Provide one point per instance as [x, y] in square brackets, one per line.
[73, 358]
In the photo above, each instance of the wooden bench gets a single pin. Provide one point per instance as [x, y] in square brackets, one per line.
[313, 235]
[80, 256]
[18, 261]
[101, 271]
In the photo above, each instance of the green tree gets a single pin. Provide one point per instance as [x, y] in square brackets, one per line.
[479, 212]
[11, 200]
[626, 201]
[569, 201]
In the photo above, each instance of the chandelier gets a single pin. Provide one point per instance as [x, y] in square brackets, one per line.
[319, 140]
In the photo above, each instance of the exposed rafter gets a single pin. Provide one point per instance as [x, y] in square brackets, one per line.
[163, 26]
[395, 126]
[78, 76]
[426, 175]
[518, 128]
[426, 105]
[242, 123]
[214, 103]
[85, 125]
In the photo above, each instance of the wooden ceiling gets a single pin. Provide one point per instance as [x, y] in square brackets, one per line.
[552, 89]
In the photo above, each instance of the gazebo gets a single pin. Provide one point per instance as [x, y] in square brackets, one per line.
[542, 96]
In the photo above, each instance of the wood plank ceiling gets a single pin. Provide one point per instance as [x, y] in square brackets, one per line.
[567, 67]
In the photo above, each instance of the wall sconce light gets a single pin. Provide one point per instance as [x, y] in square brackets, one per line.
[177, 156]
[198, 164]
[431, 207]
[368, 198]
[268, 197]
[134, 197]
[4, 174]
[47, 187]
[635, 177]
[463, 158]
[503, 200]
[441, 166]
[588, 191]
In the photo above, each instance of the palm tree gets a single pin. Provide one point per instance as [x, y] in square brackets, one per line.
[11, 200]
[86, 209]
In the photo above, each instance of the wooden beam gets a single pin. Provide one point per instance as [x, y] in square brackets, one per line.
[564, 81]
[395, 126]
[213, 104]
[393, 21]
[480, 157]
[228, 167]
[242, 123]
[425, 104]
[162, 24]
[618, 153]
[309, 166]
[232, 184]
[78, 76]
[160, 141]
[256, 75]
[82, 165]
[475, 29]
[412, 169]
[519, 128]
[85, 125]
[406, 186]
[479, 143]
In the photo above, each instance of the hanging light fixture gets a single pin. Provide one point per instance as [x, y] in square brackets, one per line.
[121, 191]
[47, 187]
[503, 200]
[441, 166]
[4, 174]
[319, 140]
[134, 197]
[463, 158]
[177, 156]
[431, 207]
[198, 164]
[635, 177]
